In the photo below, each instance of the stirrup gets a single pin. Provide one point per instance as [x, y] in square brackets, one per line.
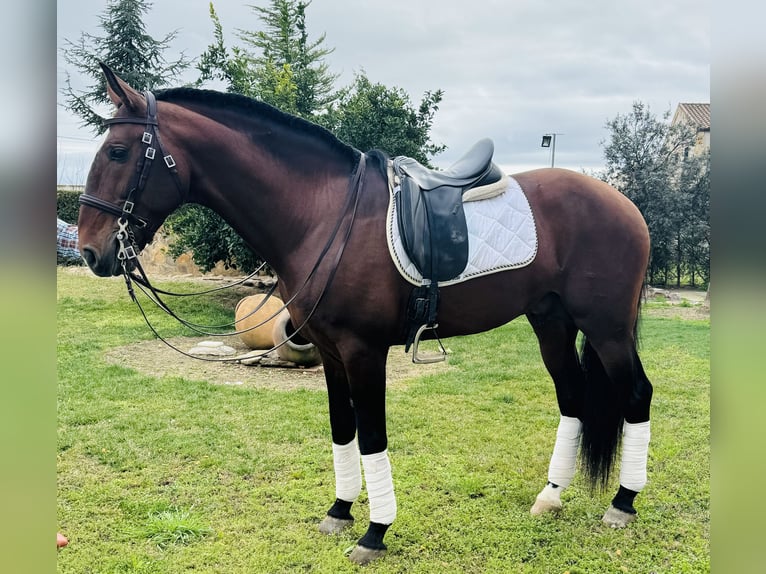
[427, 357]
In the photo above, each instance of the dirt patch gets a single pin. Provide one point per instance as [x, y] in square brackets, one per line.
[690, 304]
[690, 312]
[156, 359]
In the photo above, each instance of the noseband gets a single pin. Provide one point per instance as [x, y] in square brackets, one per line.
[127, 219]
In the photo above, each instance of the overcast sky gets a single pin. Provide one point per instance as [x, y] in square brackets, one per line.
[511, 70]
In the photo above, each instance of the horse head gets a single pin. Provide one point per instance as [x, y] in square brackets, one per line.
[125, 201]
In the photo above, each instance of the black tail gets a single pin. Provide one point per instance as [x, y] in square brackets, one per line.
[602, 420]
[602, 412]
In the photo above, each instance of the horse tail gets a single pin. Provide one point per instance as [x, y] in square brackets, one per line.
[602, 412]
[602, 419]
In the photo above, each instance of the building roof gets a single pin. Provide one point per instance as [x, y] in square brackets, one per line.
[697, 114]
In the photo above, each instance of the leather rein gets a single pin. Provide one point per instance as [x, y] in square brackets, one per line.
[127, 250]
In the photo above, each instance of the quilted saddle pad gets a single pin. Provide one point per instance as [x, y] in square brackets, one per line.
[501, 236]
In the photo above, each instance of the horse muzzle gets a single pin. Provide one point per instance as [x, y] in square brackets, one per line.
[104, 265]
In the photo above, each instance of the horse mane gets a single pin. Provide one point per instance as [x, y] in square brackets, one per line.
[381, 159]
[251, 106]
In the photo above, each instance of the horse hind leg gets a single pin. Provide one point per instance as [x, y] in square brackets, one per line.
[557, 333]
[625, 369]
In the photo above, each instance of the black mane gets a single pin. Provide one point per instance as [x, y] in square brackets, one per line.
[251, 106]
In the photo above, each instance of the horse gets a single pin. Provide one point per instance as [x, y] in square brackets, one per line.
[315, 209]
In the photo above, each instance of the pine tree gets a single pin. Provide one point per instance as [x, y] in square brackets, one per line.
[285, 58]
[125, 47]
[281, 66]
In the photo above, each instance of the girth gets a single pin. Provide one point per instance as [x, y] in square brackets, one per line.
[432, 224]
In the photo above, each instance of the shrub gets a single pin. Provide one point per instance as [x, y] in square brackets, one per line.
[67, 205]
[203, 232]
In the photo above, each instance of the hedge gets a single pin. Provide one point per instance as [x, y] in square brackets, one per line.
[67, 206]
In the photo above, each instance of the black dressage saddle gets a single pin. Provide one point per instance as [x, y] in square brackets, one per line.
[432, 225]
[429, 206]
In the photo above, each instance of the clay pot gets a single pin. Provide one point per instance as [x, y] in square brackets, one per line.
[297, 350]
[244, 318]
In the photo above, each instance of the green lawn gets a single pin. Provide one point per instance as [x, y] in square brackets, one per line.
[166, 475]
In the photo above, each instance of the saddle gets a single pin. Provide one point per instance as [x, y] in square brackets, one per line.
[432, 225]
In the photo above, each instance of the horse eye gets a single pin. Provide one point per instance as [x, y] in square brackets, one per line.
[118, 154]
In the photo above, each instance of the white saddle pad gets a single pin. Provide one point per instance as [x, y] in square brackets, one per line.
[501, 236]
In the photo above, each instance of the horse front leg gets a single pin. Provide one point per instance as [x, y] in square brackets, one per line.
[345, 450]
[366, 372]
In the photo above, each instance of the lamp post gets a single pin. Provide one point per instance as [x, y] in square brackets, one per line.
[549, 140]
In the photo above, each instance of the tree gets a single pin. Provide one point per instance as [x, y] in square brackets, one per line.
[210, 239]
[218, 63]
[694, 233]
[369, 115]
[286, 56]
[645, 160]
[127, 48]
[277, 65]
[281, 66]
[287, 72]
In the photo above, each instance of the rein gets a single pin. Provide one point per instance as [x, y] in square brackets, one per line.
[127, 251]
[352, 204]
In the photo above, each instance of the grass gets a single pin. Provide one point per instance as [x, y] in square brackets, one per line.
[168, 474]
[173, 526]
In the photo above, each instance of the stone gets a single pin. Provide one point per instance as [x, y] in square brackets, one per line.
[211, 344]
[211, 348]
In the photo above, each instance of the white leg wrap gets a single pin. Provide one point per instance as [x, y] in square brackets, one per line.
[348, 472]
[635, 450]
[380, 487]
[564, 458]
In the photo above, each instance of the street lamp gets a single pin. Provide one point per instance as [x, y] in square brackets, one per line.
[549, 140]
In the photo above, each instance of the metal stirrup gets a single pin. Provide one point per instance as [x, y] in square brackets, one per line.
[425, 358]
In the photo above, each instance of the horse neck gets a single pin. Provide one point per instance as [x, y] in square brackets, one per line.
[281, 192]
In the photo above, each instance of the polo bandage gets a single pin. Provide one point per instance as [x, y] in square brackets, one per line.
[564, 458]
[380, 487]
[635, 451]
[348, 472]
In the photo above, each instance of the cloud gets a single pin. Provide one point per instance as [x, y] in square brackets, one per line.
[509, 70]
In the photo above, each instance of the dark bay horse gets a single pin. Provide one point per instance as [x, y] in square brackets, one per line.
[314, 209]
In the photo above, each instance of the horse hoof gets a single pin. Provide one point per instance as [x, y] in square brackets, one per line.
[361, 555]
[545, 504]
[332, 525]
[541, 506]
[616, 518]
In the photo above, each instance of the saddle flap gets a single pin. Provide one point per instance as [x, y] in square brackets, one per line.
[433, 229]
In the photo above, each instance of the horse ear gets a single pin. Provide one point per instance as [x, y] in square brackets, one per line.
[120, 92]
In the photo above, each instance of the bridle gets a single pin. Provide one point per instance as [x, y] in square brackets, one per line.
[127, 251]
[127, 219]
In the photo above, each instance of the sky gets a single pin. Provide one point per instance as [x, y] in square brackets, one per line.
[510, 70]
